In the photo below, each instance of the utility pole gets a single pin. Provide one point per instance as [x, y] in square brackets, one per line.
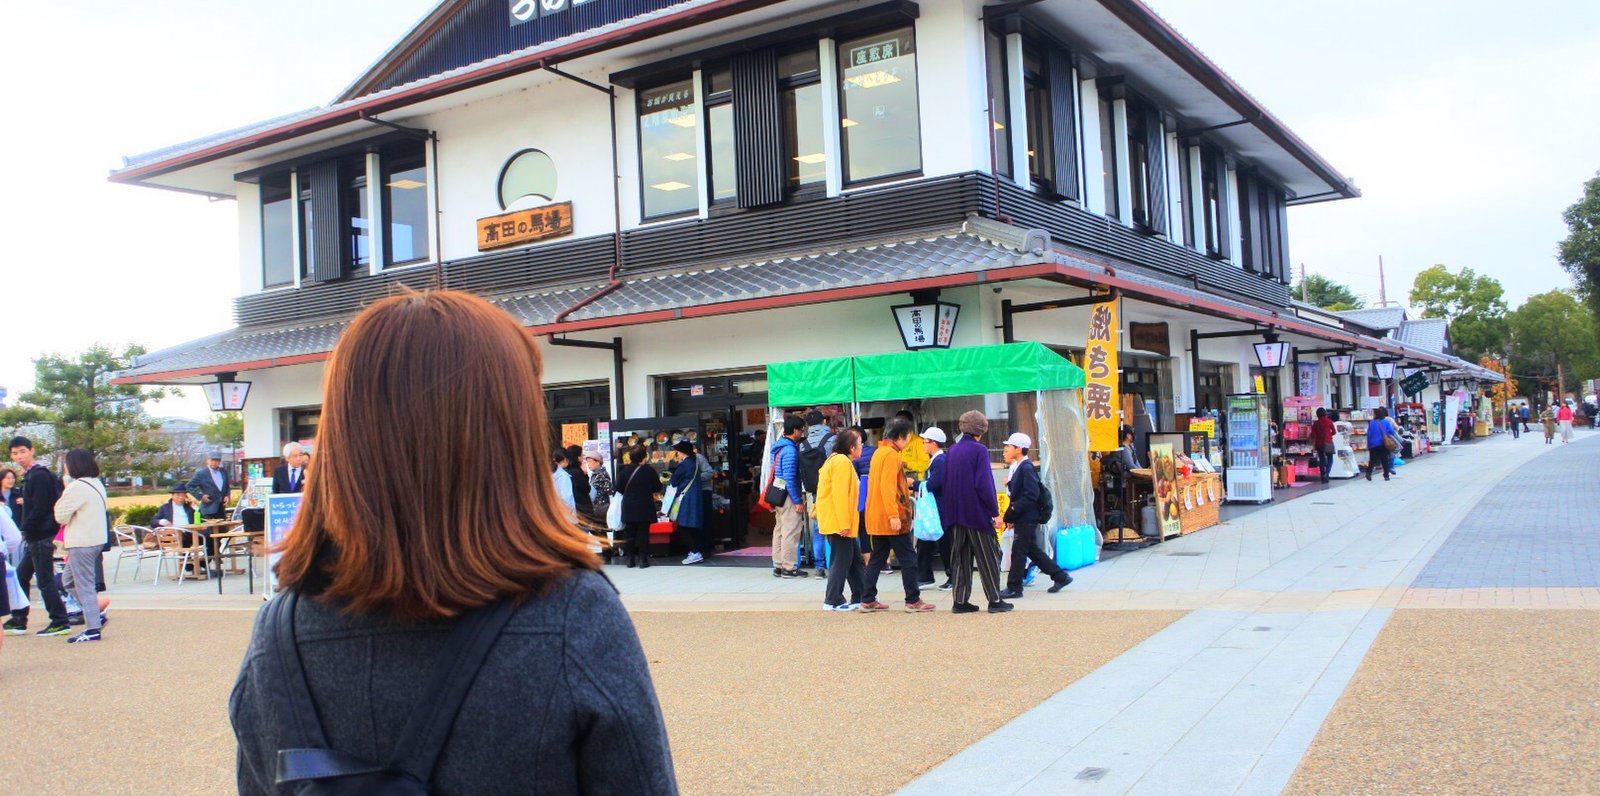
[1383, 296]
[1561, 386]
[1303, 292]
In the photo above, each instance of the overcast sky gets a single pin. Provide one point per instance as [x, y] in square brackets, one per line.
[1468, 126]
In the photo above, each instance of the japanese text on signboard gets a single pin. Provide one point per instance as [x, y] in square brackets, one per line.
[1101, 368]
[524, 226]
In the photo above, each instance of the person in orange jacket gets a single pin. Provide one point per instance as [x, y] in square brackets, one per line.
[889, 511]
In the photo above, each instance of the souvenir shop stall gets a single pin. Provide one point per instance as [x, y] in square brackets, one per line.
[1020, 386]
[1300, 461]
[1412, 420]
[1185, 491]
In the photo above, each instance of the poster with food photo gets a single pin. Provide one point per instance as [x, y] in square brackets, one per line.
[1164, 468]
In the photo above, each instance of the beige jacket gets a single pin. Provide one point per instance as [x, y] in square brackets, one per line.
[82, 509]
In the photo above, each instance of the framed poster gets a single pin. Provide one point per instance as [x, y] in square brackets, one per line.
[1164, 469]
[281, 511]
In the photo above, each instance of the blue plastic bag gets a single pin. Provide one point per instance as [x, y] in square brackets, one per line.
[926, 525]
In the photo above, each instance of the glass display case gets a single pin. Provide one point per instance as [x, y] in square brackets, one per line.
[1249, 449]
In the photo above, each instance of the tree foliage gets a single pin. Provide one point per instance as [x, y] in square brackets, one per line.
[76, 398]
[1553, 329]
[1323, 292]
[1579, 253]
[224, 429]
[1475, 306]
[1504, 391]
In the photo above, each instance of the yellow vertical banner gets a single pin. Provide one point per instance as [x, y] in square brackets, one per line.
[1100, 365]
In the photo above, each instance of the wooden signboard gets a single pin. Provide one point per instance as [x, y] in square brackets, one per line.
[1150, 337]
[524, 226]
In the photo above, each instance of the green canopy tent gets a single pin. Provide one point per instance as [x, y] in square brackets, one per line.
[954, 372]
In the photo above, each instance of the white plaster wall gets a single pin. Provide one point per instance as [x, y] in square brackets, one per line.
[248, 205]
[952, 91]
[273, 389]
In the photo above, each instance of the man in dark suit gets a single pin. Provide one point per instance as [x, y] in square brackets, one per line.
[211, 486]
[291, 475]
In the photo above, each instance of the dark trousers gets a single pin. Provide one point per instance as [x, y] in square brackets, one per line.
[38, 563]
[905, 553]
[846, 569]
[1379, 457]
[925, 551]
[1025, 545]
[638, 536]
[974, 545]
[1516, 429]
[1325, 462]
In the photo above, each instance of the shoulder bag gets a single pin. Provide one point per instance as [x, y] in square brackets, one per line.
[777, 492]
[313, 769]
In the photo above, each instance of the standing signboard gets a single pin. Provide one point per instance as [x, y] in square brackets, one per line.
[1164, 469]
[1100, 367]
[281, 511]
[1307, 381]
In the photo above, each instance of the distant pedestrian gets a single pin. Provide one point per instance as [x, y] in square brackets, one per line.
[1322, 432]
[789, 517]
[1548, 419]
[973, 511]
[599, 486]
[563, 483]
[81, 510]
[1524, 414]
[1514, 422]
[1379, 455]
[889, 515]
[1564, 422]
[838, 491]
[912, 454]
[581, 501]
[814, 451]
[10, 495]
[933, 441]
[688, 502]
[637, 483]
[40, 490]
[1025, 514]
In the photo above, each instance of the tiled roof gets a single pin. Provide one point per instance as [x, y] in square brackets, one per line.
[1381, 318]
[1428, 334]
[976, 246]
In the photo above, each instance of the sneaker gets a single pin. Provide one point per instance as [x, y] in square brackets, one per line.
[104, 619]
[799, 573]
[850, 607]
[55, 630]
[15, 628]
[925, 584]
[874, 605]
[777, 572]
[919, 607]
[1062, 581]
[963, 608]
[1000, 607]
[822, 572]
[75, 619]
[827, 607]
[1010, 594]
[947, 585]
[87, 635]
[694, 558]
[1033, 572]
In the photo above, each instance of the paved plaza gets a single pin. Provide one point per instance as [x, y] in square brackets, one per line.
[1433, 633]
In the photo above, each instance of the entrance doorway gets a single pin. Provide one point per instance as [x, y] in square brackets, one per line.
[574, 412]
[730, 412]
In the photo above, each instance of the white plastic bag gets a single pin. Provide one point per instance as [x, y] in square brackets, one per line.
[14, 589]
[614, 514]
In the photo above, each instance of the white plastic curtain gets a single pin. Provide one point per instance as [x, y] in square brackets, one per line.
[1064, 456]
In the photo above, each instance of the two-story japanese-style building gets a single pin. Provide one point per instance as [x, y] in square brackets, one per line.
[674, 193]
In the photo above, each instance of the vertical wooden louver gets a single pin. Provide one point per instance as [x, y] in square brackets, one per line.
[758, 128]
[1155, 144]
[326, 261]
[1063, 123]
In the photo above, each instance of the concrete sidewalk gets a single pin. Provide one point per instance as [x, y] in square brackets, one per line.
[1228, 699]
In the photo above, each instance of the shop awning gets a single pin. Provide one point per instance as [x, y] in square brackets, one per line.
[933, 373]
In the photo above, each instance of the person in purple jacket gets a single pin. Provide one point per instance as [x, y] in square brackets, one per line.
[969, 499]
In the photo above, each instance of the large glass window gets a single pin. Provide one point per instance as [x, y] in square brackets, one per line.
[878, 103]
[355, 215]
[718, 84]
[405, 204]
[1108, 156]
[799, 74]
[1000, 98]
[1138, 167]
[667, 168]
[277, 232]
[307, 231]
[1036, 95]
[1211, 202]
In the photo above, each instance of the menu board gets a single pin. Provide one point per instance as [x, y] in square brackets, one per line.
[1164, 468]
[281, 511]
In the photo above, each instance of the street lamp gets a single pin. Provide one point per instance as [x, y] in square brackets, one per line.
[1272, 353]
[926, 322]
[225, 394]
[1339, 364]
[1385, 370]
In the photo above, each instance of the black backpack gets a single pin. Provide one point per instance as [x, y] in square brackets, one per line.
[312, 769]
[808, 462]
[1047, 504]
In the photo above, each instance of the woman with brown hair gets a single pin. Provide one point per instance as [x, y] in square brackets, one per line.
[411, 554]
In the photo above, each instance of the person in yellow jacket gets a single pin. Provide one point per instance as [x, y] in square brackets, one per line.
[838, 494]
[889, 514]
[914, 456]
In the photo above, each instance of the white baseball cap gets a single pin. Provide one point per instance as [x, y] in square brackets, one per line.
[1019, 440]
[934, 433]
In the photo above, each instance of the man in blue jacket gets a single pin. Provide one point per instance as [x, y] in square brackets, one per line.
[933, 442]
[789, 518]
[1024, 514]
[972, 511]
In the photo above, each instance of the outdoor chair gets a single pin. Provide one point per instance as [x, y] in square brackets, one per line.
[130, 544]
[171, 547]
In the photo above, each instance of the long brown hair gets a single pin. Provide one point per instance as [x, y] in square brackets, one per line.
[432, 492]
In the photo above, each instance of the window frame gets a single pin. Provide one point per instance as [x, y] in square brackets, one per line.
[1110, 167]
[845, 37]
[701, 170]
[710, 100]
[288, 197]
[1037, 110]
[387, 168]
[791, 84]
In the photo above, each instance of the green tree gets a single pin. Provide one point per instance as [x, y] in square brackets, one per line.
[1579, 253]
[1553, 329]
[76, 398]
[1323, 292]
[1475, 306]
[224, 429]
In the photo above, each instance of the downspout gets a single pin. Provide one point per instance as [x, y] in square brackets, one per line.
[612, 282]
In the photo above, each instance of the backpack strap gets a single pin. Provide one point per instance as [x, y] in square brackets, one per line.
[308, 757]
[423, 739]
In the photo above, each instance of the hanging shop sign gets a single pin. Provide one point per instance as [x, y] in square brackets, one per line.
[1101, 367]
[524, 226]
[1414, 383]
[1150, 337]
[929, 324]
[1307, 379]
[1164, 472]
[226, 396]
